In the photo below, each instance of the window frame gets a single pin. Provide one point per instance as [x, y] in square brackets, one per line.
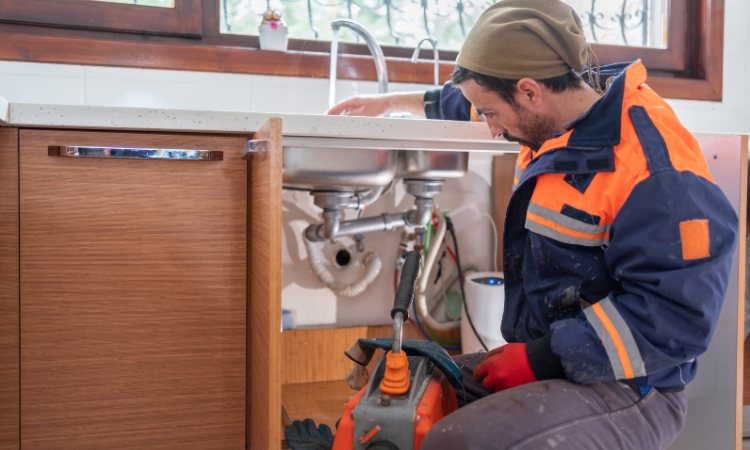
[184, 19]
[687, 69]
[671, 58]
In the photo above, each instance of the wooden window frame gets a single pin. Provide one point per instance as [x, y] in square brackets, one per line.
[690, 68]
[184, 19]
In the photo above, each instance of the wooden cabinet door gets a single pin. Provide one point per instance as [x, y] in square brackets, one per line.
[9, 395]
[132, 294]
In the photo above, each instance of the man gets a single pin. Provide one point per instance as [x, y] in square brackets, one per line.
[617, 242]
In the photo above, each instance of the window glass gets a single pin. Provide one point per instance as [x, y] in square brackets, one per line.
[158, 3]
[639, 23]
[635, 23]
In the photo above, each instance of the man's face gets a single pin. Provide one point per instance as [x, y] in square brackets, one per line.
[522, 122]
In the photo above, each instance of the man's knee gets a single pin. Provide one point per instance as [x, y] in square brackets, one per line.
[525, 415]
[458, 431]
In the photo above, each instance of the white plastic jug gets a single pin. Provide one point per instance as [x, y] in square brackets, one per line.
[485, 300]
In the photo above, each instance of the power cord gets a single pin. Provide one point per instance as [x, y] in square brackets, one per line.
[449, 225]
[495, 238]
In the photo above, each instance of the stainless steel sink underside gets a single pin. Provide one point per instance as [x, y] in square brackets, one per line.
[345, 173]
[355, 165]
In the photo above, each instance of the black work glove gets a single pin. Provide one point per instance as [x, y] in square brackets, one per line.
[303, 435]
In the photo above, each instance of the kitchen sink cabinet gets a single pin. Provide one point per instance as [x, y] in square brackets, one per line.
[135, 292]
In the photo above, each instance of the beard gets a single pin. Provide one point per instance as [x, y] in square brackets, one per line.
[534, 130]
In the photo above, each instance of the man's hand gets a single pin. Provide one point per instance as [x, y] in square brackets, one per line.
[380, 105]
[305, 435]
[363, 105]
[505, 367]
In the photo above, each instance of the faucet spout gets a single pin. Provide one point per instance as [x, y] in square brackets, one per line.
[375, 51]
[435, 54]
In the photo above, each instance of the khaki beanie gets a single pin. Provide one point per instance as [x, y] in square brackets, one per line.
[514, 39]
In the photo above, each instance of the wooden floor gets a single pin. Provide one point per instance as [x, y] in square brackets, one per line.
[322, 401]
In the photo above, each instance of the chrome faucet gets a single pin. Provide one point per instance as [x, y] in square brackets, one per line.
[435, 54]
[375, 50]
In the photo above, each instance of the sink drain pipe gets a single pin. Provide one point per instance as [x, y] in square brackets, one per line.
[424, 191]
[384, 222]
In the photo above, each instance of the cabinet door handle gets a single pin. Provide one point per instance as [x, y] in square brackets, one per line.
[76, 151]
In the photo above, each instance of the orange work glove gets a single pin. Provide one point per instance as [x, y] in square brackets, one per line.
[505, 367]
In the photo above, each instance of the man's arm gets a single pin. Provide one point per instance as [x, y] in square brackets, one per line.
[441, 103]
[380, 105]
[671, 248]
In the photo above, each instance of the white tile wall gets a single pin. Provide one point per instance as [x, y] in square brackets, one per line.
[113, 86]
[42, 83]
[108, 86]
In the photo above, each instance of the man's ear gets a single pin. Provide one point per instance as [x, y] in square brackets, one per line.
[529, 92]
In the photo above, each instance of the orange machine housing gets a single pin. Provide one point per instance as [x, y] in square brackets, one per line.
[438, 400]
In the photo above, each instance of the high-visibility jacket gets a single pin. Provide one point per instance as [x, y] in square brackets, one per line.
[617, 242]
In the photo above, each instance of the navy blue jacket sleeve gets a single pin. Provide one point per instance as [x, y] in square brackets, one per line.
[447, 103]
[653, 330]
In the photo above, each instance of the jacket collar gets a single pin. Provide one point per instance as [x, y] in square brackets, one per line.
[601, 126]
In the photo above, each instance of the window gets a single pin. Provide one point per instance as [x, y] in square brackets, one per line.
[679, 41]
[167, 17]
[158, 3]
[641, 23]
[392, 22]
[636, 23]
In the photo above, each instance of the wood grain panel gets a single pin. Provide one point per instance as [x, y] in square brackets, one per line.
[317, 355]
[219, 58]
[9, 344]
[503, 173]
[264, 291]
[133, 295]
[184, 19]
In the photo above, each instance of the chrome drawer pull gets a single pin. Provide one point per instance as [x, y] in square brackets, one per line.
[135, 153]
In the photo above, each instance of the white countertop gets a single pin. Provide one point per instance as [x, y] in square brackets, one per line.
[437, 134]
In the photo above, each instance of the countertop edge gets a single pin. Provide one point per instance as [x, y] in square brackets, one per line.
[174, 120]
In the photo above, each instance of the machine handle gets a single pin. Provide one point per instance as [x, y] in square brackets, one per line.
[137, 153]
[407, 285]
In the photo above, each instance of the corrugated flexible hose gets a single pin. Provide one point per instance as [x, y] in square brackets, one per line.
[372, 263]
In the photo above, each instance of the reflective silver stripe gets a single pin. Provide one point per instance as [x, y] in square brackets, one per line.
[634, 354]
[626, 336]
[546, 231]
[609, 346]
[518, 174]
[569, 223]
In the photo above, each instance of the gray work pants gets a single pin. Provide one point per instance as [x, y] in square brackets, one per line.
[559, 415]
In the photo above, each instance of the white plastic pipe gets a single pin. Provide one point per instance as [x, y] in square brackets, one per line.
[421, 298]
[372, 262]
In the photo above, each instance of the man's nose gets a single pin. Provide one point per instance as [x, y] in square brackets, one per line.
[496, 129]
